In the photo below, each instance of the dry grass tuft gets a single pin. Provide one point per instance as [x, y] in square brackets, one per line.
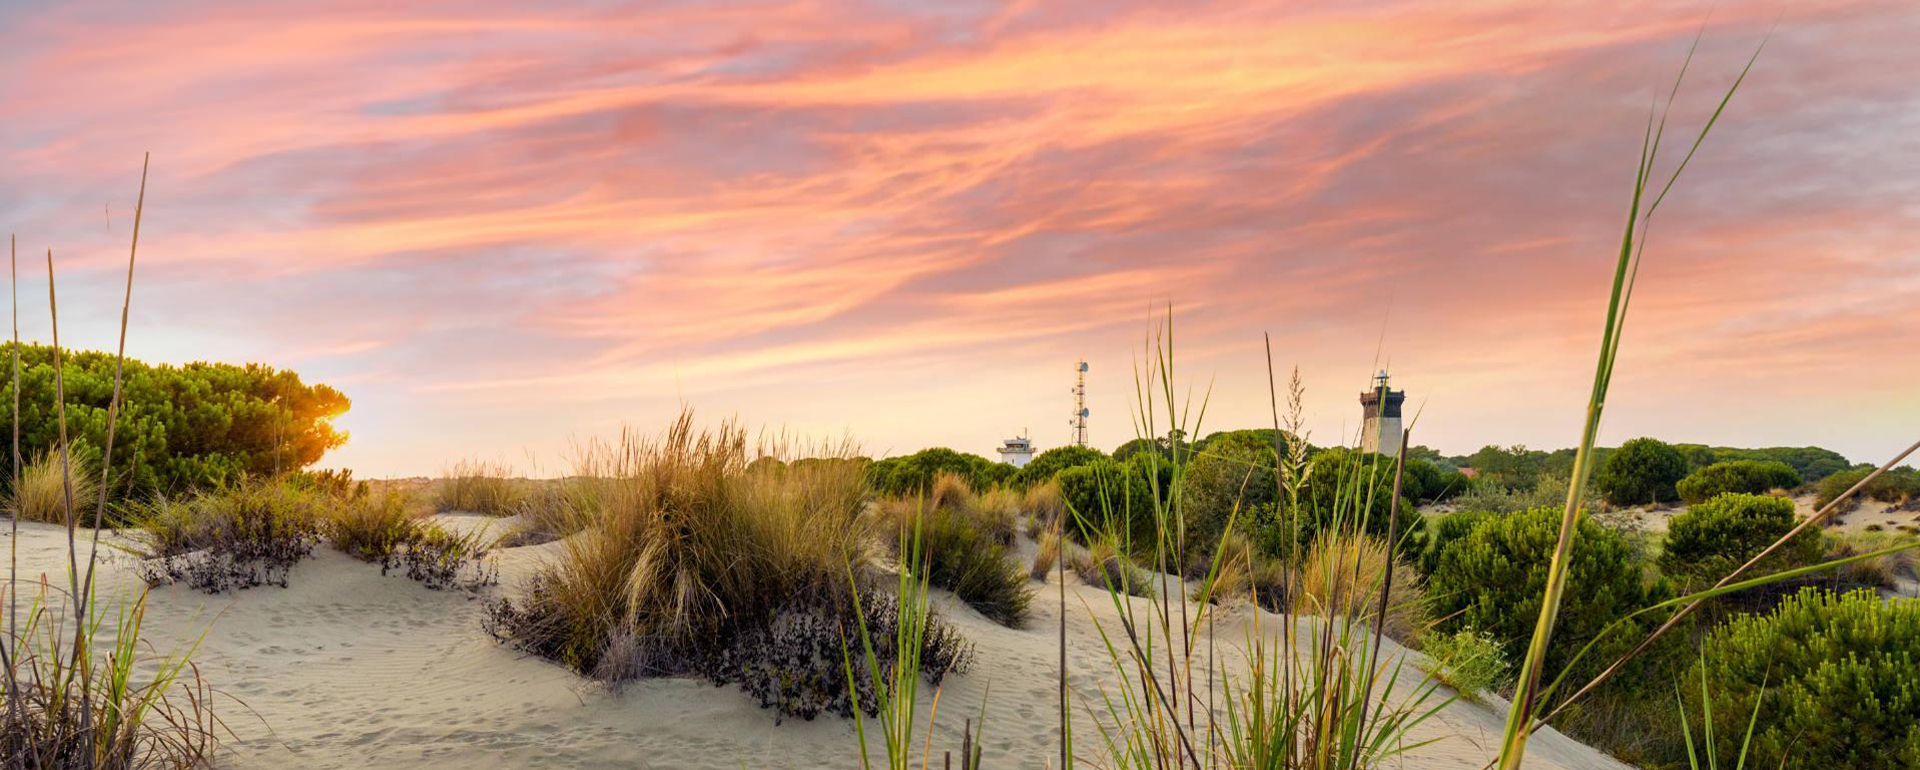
[41, 494]
[1044, 503]
[1043, 560]
[1341, 576]
[1103, 567]
[477, 486]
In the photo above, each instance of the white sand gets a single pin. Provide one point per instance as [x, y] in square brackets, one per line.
[350, 669]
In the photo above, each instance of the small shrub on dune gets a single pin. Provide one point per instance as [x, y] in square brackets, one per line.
[1746, 476]
[441, 559]
[965, 557]
[1108, 496]
[997, 512]
[1442, 531]
[1468, 661]
[1885, 571]
[1894, 486]
[555, 509]
[1493, 580]
[1715, 537]
[1642, 471]
[1102, 566]
[948, 491]
[244, 536]
[42, 492]
[474, 486]
[690, 560]
[1833, 676]
[1342, 575]
[371, 527]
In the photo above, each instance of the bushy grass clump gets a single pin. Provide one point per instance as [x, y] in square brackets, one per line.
[41, 494]
[371, 527]
[477, 486]
[391, 529]
[690, 562]
[1747, 476]
[967, 538]
[554, 509]
[1044, 508]
[1103, 566]
[246, 535]
[1045, 556]
[1833, 675]
[1469, 661]
[1342, 574]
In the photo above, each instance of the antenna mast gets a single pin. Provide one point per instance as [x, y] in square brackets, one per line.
[1079, 421]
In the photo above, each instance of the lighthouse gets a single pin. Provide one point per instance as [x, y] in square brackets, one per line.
[1380, 430]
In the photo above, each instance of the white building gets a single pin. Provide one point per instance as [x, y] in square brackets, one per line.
[1380, 431]
[1017, 451]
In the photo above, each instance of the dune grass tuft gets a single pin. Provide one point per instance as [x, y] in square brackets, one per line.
[246, 535]
[40, 494]
[477, 486]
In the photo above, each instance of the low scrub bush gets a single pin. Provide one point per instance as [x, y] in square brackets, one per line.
[1493, 580]
[690, 560]
[1542, 492]
[965, 554]
[1044, 466]
[914, 475]
[243, 536]
[1642, 471]
[1442, 530]
[1468, 661]
[1108, 496]
[1713, 538]
[442, 559]
[1745, 476]
[41, 494]
[1895, 486]
[370, 528]
[1833, 676]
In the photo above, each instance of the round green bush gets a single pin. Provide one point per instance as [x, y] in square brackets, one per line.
[1714, 538]
[1442, 531]
[1891, 487]
[1641, 471]
[1353, 490]
[1495, 577]
[1046, 465]
[1105, 497]
[1749, 476]
[1833, 675]
[1230, 472]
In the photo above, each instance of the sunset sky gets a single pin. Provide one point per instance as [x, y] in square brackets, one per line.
[501, 228]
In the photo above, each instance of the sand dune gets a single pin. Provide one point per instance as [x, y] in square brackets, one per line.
[350, 669]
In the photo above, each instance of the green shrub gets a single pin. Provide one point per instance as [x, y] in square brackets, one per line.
[1546, 492]
[249, 534]
[1641, 471]
[1715, 537]
[964, 557]
[1107, 496]
[1493, 580]
[370, 528]
[1896, 485]
[914, 474]
[1231, 471]
[1834, 675]
[1748, 476]
[180, 428]
[1467, 660]
[1442, 531]
[1354, 488]
[1044, 466]
[1811, 462]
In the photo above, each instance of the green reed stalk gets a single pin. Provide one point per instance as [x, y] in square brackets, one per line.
[1627, 265]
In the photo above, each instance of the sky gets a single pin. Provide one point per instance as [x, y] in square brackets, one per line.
[504, 229]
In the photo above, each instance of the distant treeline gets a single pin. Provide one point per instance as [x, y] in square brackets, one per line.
[181, 427]
[1518, 466]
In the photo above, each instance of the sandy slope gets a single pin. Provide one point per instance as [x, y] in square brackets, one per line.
[350, 669]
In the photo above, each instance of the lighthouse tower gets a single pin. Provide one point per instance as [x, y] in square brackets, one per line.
[1380, 432]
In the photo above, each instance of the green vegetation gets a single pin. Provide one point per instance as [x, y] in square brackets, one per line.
[1108, 496]
[914, 474]
[1714, 537]
[1044, 466]
[181, 427]
[1640, 472]
[1748, 476]
[245, 535]
[692, 565]
[1811, 463]
[964, 539]
[1467, 660]
[1833, 675]
[1894, 486]
[1492, 580]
